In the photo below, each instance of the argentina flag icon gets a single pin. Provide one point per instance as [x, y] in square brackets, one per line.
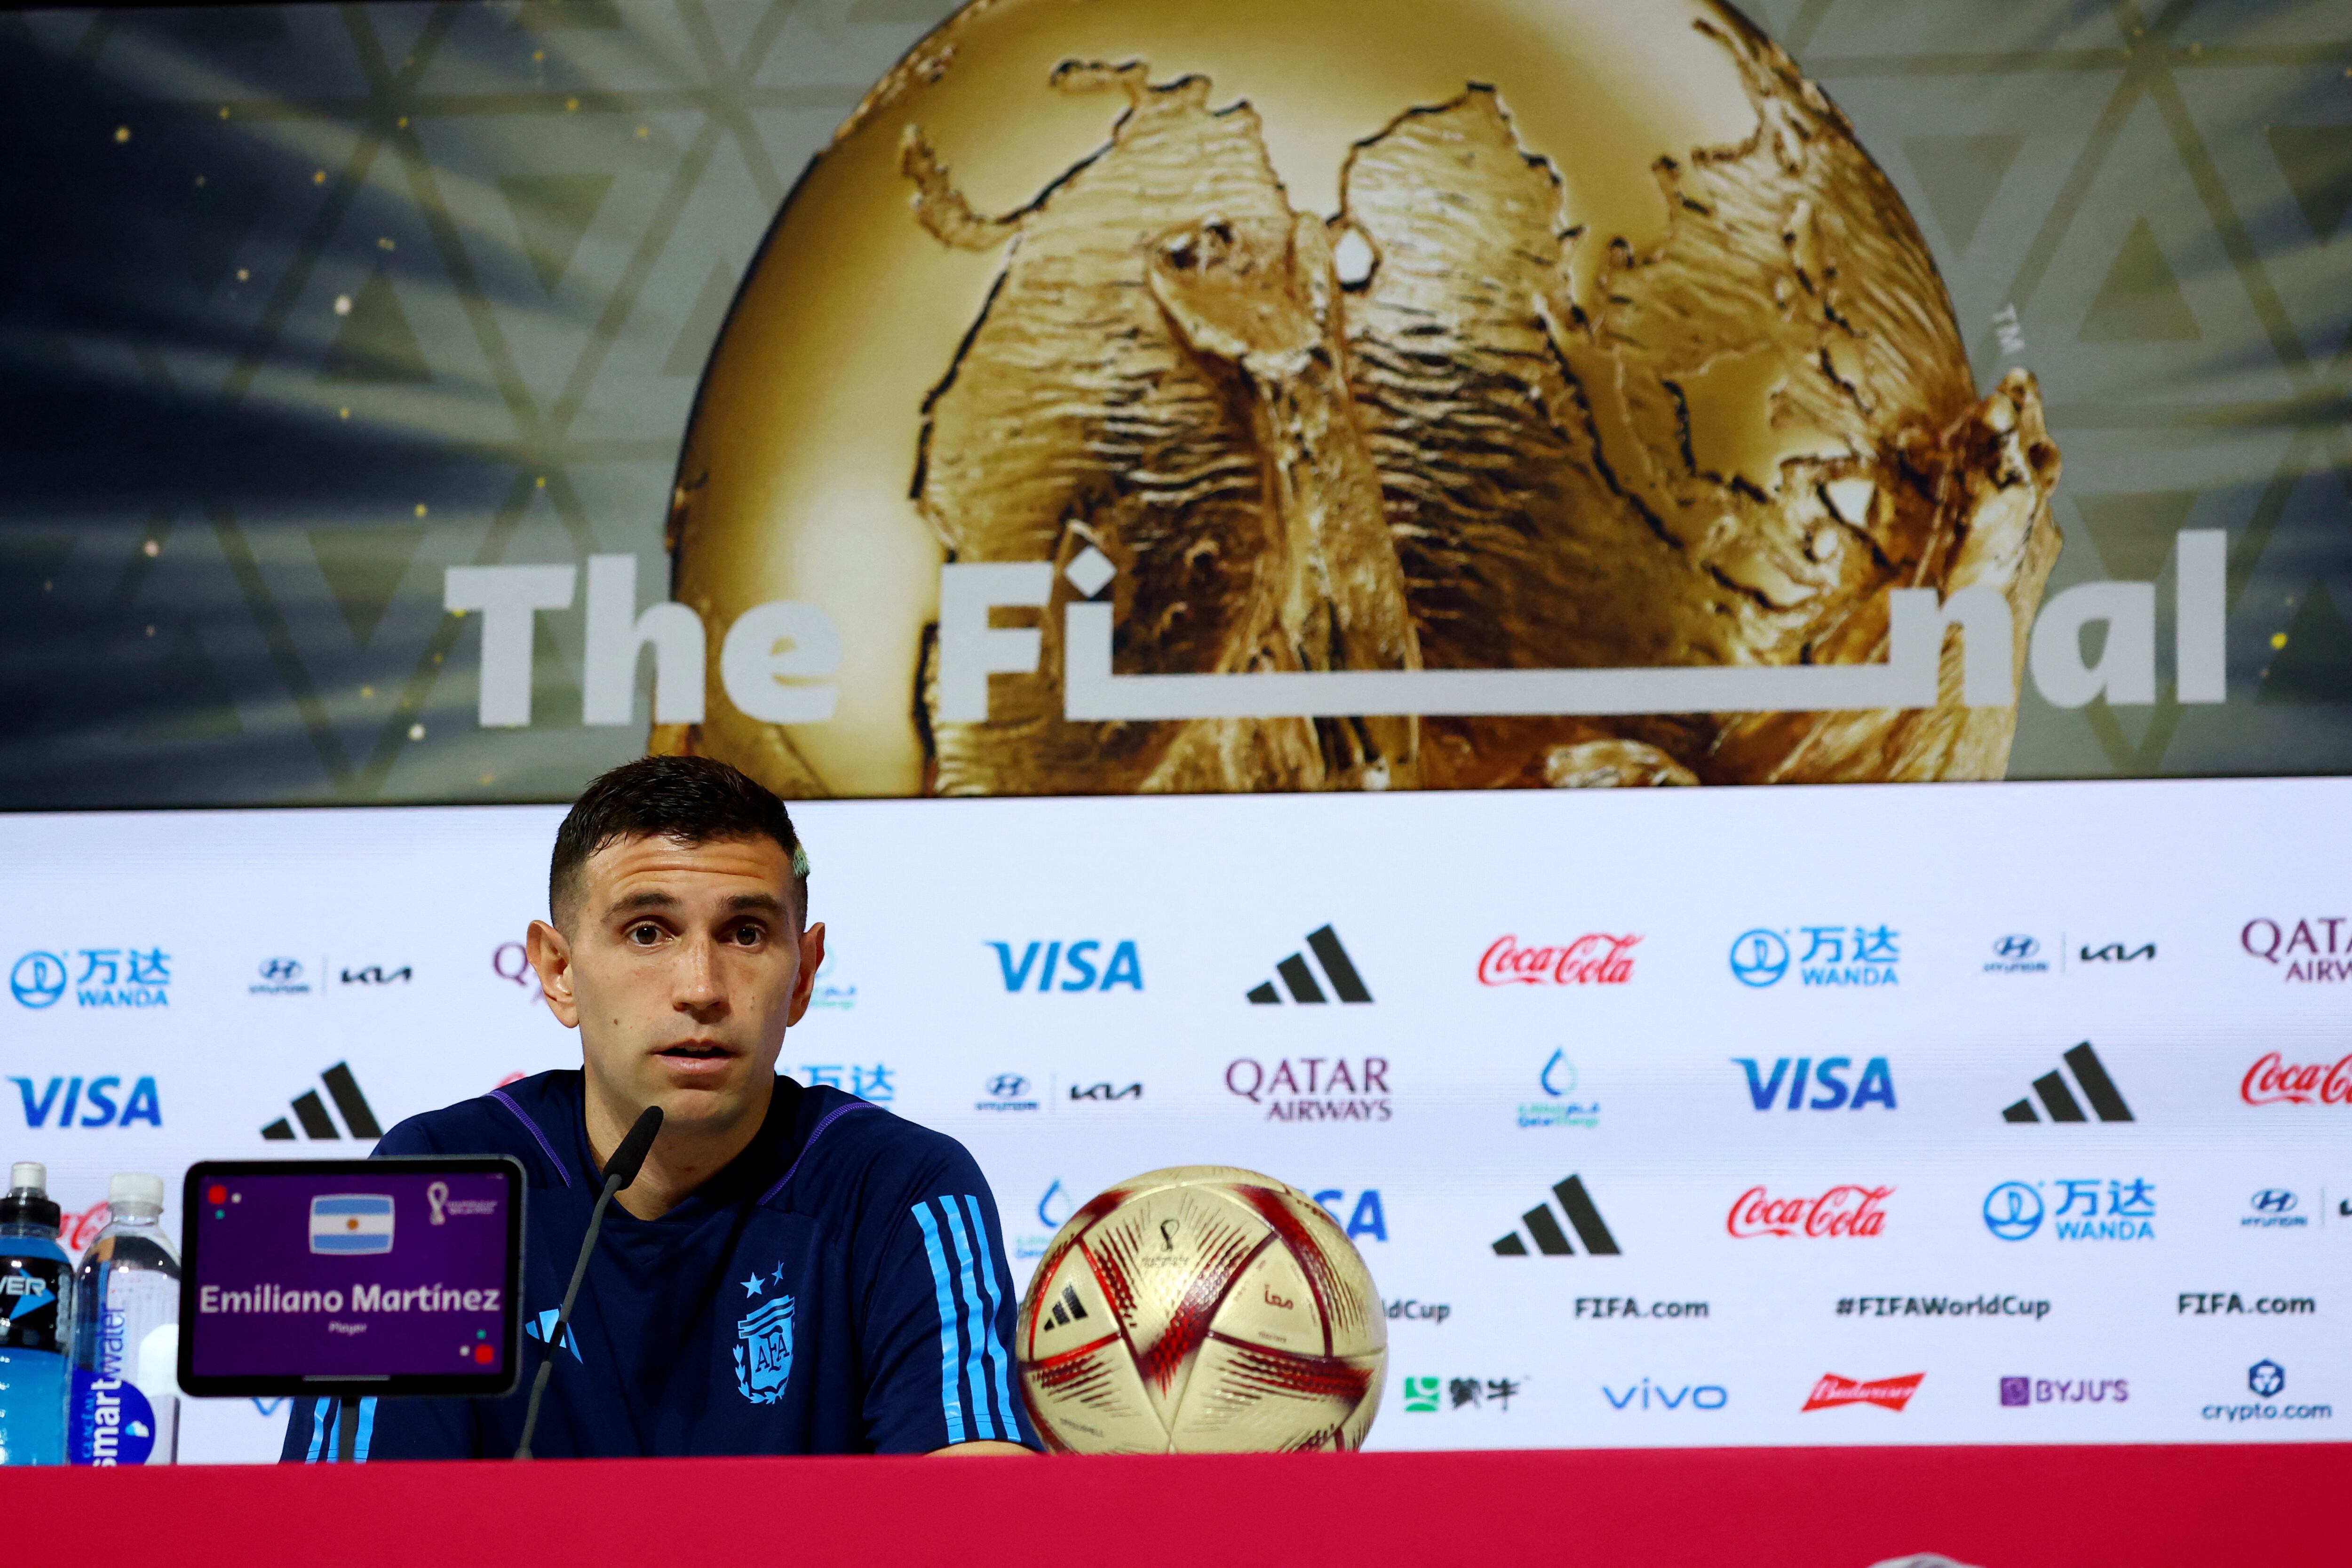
[350, 1223]
[763, 1357]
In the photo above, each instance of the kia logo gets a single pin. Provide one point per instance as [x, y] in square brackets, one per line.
[2274, 1200]
[278, 970]
[2016, 947]
[1007, 1086]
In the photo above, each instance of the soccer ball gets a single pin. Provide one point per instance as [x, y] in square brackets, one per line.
[1201, 1309]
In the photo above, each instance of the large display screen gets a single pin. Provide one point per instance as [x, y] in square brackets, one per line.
[391, 1276]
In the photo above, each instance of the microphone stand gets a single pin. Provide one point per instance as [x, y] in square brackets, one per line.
[627, 1161]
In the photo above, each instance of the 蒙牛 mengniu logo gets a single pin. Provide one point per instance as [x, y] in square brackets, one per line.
[95, 1101]
[110, 977]
[1861, 955]
[1077, 965]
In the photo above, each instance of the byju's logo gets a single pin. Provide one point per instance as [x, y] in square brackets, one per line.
[2273, 1209]
[1582, 1217]
[1079, 966]
[1860, 955]
[311, 1112]
[2016, 954]
[1006, 1091]
[1887, 1393]
[2298, 949]
[2018, 1393]
[1846, 1211]
[2058, 1100]
[1366, 1219]
[95, 1101]
[1648, 1395]
[1299, 977]
[1875, 1087]
[2014, 1211]
[279, 977]
[110, 977]
[1285, 1090]
[2272, 1080]
[1560, 1107]
[1595, 958]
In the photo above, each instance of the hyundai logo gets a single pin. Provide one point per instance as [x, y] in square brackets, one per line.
[278, 970]
[2274, 1200]
[2012, 1211]
[1007, 1086]
[38, 979]
[2016, 947]
[1758, 958]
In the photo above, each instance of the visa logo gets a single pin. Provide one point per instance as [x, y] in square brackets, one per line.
[1367, 1218]
[1079, 964]
[1875, 1087]
[96, 1102]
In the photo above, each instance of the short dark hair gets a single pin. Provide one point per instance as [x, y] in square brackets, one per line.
[689, 800]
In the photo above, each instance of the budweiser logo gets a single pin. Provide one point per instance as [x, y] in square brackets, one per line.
[1887, 1393]
[1593, 959]
[2271, 1081]
[1841, 1211]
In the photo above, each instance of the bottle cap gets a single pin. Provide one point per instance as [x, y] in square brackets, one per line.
[29, 1173]
[135, 1189]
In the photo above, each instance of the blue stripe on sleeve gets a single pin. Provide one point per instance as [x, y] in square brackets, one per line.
[950, 1400]
[318, 1430]
[996, 1356]
[972, 1298]
[365, 1433]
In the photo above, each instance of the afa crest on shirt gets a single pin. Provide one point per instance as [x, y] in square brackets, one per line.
[763, 1351]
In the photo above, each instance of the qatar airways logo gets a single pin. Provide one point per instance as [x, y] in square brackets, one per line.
[2274, 1081]
[2317, 951]
[1595, 958]
[1842, 1211]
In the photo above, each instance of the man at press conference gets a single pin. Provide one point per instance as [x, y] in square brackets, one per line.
[792, 1270]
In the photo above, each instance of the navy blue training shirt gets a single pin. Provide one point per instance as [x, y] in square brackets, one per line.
[839, 1289]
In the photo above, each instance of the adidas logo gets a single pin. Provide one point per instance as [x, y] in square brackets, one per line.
[2058, 1100]
[1582, 1217]
[1067, 1311]
[1298, 975]
[312, 1113]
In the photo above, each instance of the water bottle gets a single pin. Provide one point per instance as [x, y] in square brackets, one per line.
[125, 1405]
[36, 1319]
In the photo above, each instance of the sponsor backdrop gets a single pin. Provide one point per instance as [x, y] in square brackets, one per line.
[1684, 1132]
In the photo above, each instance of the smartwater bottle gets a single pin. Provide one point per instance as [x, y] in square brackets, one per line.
[35, 1292]
[125, 1405]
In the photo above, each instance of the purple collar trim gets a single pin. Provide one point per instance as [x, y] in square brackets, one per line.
[835, 1114]
[500, 1095]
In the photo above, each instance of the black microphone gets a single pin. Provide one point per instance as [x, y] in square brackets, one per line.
[619, 1172]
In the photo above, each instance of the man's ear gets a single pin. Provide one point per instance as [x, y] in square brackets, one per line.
[550, 952]
[804, 983]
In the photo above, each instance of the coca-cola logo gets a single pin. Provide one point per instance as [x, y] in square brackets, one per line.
[1595, 958]
[2272, 1082]
[77, 1231]
[1842, 1211]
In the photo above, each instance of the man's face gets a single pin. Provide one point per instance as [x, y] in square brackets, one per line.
[681, 971]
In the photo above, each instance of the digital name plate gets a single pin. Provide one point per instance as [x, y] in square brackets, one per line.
[374, 1277]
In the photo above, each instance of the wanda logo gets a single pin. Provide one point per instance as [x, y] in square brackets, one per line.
[1848, 1211]
[2271, 1081]
[1593, 959]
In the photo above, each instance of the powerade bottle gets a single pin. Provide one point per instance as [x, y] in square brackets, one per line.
[125, 1408]
[36, 1316]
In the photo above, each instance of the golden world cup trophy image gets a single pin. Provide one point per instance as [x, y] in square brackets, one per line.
[1142, 395]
